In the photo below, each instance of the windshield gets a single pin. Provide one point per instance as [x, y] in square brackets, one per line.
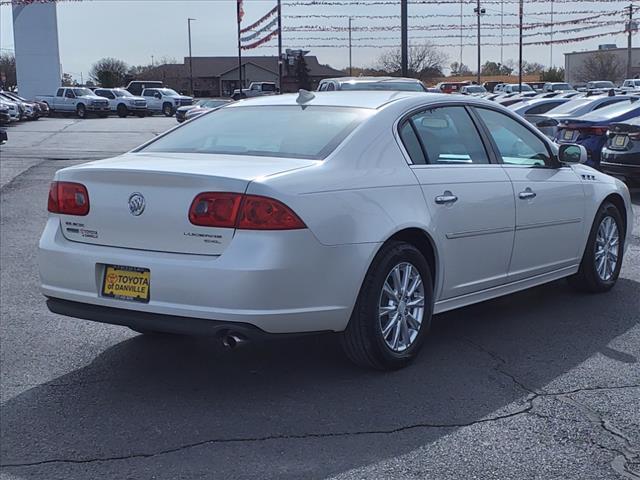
[475, 89]
[611, 111]
[398, 86]
[121, 93]
[601, 85]
[213, 103]
[273, 131]
[82, 92]
[562, 86]
[169, 92]
[523, 88]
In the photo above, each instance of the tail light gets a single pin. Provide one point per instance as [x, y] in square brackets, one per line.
[213, 209]
[68, 198]
[245, 212]
[634, 135]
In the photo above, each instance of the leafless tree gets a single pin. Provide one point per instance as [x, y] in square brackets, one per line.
[8, 70]
[601, 66]
[425, 61]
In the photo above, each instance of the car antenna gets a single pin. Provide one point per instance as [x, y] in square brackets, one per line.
[304, 96]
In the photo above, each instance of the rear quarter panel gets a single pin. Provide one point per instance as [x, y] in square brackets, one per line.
[363, 193]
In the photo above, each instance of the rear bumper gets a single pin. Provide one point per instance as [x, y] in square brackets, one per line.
[152, 321]
[279, 282]
[621, 170]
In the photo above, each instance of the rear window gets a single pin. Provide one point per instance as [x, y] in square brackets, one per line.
[572, 105]
[271, 131]
[612, 111]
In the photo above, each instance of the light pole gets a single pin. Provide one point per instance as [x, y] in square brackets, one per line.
[350, 46]
[189, 20]
[520, 17]
[479, 11]
[404, 39]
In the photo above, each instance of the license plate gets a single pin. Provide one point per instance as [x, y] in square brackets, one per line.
[126, 283]
[568, 135]
[620, 140]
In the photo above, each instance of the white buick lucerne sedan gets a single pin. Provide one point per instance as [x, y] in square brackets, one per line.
[363, 213]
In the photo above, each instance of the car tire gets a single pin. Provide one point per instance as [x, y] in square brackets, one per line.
[122, 110]
[598, 271]
[81, 111]
[364, 341]
[167, 109]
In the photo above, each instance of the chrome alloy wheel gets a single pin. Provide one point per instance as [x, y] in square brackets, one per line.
[401, 307]
[607, 247]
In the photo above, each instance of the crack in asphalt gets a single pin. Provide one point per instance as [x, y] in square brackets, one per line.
[626, 456]
[304, 436]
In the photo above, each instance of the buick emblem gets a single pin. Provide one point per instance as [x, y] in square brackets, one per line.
[136, 204]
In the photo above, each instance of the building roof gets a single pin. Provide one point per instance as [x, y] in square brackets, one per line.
[598, 50]
[216, 66]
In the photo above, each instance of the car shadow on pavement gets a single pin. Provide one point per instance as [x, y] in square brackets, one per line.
[152, 397]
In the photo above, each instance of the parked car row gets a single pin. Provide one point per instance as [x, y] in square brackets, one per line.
[606, 124]
[14, 108]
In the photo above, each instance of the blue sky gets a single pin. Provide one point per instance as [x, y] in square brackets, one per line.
[134, 30]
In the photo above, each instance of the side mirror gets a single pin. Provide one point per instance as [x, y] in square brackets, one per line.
[157, 95]
[571, 153]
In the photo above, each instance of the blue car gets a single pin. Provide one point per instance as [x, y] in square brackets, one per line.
[590, 130]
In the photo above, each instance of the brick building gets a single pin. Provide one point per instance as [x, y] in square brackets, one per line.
[218, 76]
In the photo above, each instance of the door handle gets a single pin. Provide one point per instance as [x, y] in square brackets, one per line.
[446, 198]
[527, 193]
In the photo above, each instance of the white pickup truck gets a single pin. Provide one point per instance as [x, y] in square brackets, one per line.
[165, 100]
[80, 100]
[256, 89]
[630, 85]
[122, 102]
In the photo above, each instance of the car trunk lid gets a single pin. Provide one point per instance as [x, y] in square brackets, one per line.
[142, 200]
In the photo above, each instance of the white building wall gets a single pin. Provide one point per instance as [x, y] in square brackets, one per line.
[574, 61]
[35, 34]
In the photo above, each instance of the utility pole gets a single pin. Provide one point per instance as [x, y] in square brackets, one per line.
[152, 61]
[404, 39]
[520, 15]
[239, 14]
[461, 29]
[189, 20]
[630, 29]
[350, 57]
[502, 32]
[479, 11]
[551, 39]
[280, 45]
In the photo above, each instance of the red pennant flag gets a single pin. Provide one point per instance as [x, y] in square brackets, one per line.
[240, 11]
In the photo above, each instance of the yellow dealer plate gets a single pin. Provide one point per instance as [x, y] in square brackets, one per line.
[126, 283]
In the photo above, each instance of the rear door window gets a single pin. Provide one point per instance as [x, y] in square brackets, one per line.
[446, 135]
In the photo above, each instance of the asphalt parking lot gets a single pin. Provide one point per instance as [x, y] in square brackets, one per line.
[543, 384]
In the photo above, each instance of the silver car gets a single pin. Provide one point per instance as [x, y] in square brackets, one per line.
[361, 213]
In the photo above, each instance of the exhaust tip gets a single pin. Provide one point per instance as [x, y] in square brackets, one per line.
[233, 340]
